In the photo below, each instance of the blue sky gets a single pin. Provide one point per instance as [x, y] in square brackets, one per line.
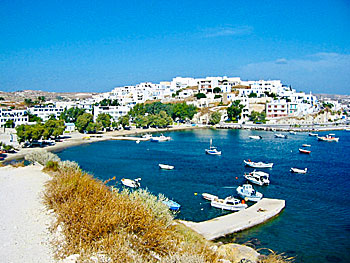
[97, 45]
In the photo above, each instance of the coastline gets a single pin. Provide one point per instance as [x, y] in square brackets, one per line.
[78, 139]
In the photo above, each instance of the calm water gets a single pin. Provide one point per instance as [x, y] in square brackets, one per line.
[315, 226]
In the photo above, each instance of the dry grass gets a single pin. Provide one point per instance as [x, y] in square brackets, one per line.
[273, 257]
[2, 164]
[125, 226]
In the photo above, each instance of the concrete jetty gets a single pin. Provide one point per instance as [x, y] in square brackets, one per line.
[258, 213]
[122, 138]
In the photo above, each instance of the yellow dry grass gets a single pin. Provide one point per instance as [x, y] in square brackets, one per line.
[120, 225]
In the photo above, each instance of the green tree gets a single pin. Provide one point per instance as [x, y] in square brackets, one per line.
[215, 118]
[138, 110]
[257, 117]
[28, 102]
[217, 96]
[83, 121]
[252, 95]
[71, 114]
[9, 124]
[217, 90]
[235, 110]
[108, 102]
[200, 95]
[41, 99]
[124, 121]
[33, 118]
[53, 128]
[2, 98]
[94, 127]
[104, 119]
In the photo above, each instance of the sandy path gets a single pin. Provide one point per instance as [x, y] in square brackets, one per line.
[24, 221]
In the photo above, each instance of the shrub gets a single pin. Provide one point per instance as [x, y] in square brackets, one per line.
[52, 166]
[42, 157]
[69, 165]
[18, 164]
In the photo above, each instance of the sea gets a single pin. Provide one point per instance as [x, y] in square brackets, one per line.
[313, 227]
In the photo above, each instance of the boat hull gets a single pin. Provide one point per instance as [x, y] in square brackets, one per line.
[228, 207]
[166, 167]
[258, 165]
[298, 171]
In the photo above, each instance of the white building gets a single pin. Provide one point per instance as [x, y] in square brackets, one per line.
[277, 108]
[45, 111]
[115, 111]
[17, 116]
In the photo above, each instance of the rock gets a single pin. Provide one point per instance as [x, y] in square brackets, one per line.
[238, 253]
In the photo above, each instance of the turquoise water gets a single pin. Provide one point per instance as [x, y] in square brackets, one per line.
[314, 227]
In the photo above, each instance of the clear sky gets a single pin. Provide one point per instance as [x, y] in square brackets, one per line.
[97, 45]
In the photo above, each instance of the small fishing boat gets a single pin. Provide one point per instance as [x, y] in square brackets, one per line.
[304, 151]
[229, 203]
[212, 150]
[138, 141]
[209, 197]
[292, 132]
[255, 137]
[166, 166]
[172, 205]
[328, 138]
[147, 136]
[258, 164]
[306, 145]
[313, 134]
[160, 138]
[131, 183]
[298, 171]
[280, 135]
[258, 177]
[247, 192]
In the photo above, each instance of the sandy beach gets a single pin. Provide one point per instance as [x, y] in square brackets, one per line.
[24, 220]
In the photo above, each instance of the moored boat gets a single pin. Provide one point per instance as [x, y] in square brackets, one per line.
[280, 135]
[328, 138]
[131, 183]
[212, 150]
[292, 132]
[247, 192]
[306, 145]
[172, 205]
[258, 164]
[166, 166]
[258, 177]
[160, 138]
[209, 196]
[299, 171]
[255, 137]
[229, 203]
[313, 134]
[304, 151]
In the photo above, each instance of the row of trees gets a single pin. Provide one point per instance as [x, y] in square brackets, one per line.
[47, 130]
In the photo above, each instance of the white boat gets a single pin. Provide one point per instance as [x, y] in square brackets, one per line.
[160, 138]
[229, 203]
[258, 164]
[328, 138]
[299, 171]
[255, 137]
[247, 192]
[138, 141]
[172, 205]
[306, 145]
[212, 150]
[304, 151]
[292, 132]
[258, 177]
[209, 197]
[131, 183]
[147, 136]
[280, 135]
[166, 166]
[313, 134]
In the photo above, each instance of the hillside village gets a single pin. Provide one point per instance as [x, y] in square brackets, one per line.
[260, 101]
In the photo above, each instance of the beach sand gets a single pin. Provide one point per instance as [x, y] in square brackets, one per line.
[24, 220]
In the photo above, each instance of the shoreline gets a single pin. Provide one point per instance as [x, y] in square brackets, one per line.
[78, 139]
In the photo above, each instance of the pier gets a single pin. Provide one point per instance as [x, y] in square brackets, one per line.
[122, 138]
[257, 214]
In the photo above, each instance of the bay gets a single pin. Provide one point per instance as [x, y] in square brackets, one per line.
[315, 225]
